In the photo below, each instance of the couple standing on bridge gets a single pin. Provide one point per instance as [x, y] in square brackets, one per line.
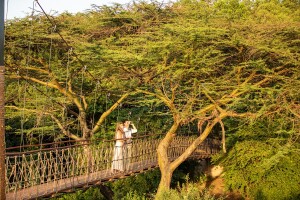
[123, 147]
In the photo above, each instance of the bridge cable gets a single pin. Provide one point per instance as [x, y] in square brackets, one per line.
[25, 87]
[94, 104]
[49, 66]
[106, 102]
[81, 92]
[65, 110]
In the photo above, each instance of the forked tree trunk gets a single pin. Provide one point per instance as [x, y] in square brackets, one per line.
[166, 167]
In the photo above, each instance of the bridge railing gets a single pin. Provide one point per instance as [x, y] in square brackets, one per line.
[31, 168]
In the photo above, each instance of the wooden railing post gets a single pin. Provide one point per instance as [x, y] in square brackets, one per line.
[2, 102]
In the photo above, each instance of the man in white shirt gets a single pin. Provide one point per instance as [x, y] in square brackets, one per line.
[129, 129]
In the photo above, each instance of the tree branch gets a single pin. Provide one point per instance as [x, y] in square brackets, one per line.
[196, 143]
[48, 84]
[64, 131]
[106, 113]
[223, 135]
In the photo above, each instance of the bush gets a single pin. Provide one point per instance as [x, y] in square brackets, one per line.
[263, 167]
[189, 191]
[133, 196]
[139, 185]
[90, 194]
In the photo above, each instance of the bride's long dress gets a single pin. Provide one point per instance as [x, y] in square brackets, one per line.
[118, 162]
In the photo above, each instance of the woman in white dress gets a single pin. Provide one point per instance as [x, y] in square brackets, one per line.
[120, 149]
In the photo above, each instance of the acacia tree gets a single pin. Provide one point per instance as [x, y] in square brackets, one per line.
[213, 113]
[252, 70]
[54, 81]
[204, 70]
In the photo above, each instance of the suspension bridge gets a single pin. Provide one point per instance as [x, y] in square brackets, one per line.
[60, 167]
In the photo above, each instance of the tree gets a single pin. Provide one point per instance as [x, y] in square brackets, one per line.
[232, 71]
[57, 74]
[196, 69]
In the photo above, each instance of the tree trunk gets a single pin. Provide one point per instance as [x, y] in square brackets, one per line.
[163, 160]
[165, 180]
[166, 167]
[106, 192]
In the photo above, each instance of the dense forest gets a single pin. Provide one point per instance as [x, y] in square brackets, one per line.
[225, 69]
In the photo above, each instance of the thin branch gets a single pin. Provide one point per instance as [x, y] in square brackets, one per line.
[164, 91]
[84, 102]
[213, 101]
[235, 93]
[161, 97]
[173, 89]
[223, 135]
[48, 84]
[251, 77]
[204, 119]
[70, 86]
[36, 69]
[65, 132]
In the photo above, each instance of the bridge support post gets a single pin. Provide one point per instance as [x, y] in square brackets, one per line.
[2, 102]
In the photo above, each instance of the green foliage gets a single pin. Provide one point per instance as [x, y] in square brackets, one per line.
[139, 185]
[90, 194]
[149, 46]
[188, 191]
[143, 187]
[257, 169]
[133, 196]
[262, 162]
